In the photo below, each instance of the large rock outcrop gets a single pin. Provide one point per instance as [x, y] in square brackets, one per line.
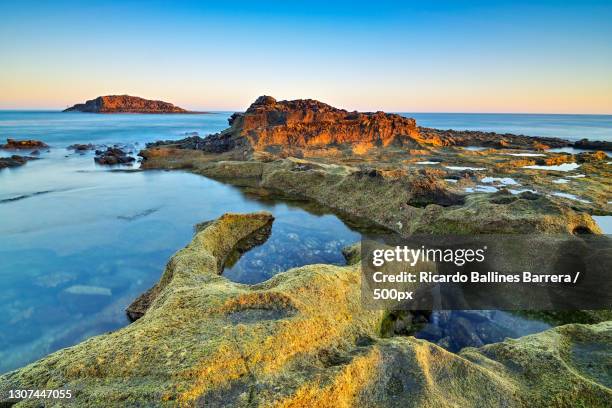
[291, 126]
[303, 339]
[307, 122]
[270, 125]
[124, 104]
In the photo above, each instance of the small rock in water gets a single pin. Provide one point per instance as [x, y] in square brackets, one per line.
[78, 147]
[14, 161]
[113, 155]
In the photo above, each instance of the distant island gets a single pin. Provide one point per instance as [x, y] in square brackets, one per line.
[125, 104]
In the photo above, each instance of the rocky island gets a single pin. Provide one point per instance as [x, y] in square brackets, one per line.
[125, 104]
[303, 337]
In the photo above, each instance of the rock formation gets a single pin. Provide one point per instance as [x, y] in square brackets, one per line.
[112, 156]
[12, 144]
[593, 144]
[79, 147]
[14, 161]
[453, 137]
[125, 104]
[306, 124]
[302, 339]
[269, 125]
[590, 157]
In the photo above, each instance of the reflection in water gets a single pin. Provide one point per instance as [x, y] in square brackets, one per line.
[457, 329]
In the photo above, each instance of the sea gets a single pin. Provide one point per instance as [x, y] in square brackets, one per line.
[79, 241]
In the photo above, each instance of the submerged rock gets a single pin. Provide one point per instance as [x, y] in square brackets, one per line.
[303, 338]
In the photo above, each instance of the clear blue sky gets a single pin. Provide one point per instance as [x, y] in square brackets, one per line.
[475, 56]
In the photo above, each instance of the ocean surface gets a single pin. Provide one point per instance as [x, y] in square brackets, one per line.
[79, 242]
[571, 127]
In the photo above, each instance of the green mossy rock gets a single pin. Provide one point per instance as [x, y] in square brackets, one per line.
[301, 339]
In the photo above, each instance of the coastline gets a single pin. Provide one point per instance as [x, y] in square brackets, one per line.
[385, 187]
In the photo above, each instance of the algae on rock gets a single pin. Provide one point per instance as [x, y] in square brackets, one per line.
[303, 338]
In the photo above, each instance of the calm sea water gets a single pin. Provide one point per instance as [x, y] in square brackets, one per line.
[572, 127]
[79, 242]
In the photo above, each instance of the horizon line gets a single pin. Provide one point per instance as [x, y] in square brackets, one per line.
[207, 110]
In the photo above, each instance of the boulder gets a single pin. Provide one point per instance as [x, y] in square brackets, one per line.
[78, 147]
[112, 156]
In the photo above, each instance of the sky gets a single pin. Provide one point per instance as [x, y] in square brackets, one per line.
[408, 56]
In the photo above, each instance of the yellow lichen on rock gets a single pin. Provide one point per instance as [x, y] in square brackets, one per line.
[303, 338]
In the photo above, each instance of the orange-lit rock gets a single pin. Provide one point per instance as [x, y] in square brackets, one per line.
[125, 104]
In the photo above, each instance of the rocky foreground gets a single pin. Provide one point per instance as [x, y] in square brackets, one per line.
[125, 104]
[302, 338]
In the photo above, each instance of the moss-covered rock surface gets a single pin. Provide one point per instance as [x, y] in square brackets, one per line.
[300, 339]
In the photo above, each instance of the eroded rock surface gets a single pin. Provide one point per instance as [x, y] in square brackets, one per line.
[300, 339]
[385, 168]
[291, 126]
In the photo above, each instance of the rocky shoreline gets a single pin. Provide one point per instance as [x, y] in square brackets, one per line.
[204, 340]
[303, 338]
